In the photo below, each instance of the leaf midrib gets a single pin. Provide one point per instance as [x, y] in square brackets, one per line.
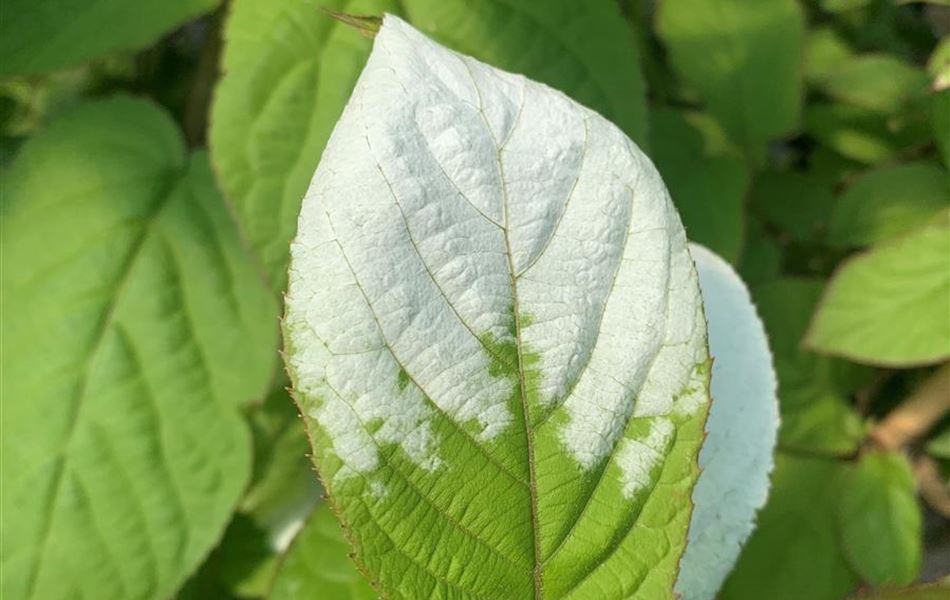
[538, 571]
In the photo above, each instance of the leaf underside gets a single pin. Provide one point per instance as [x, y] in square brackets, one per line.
[495, 335]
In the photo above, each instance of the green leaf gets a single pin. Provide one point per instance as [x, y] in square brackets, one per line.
[837, 6]
[825, 50]
[141, 327]
[761, 256]
[42, 35]
[794, 552]
[745, 59]
[707, 188]
[495, 334]
[888, 202]
[940, 117]
[877, 82]
[796, 203]
[881, 522]
[282, 493]
[243, 565]
[813, 395]
[289, 69]
[864, 135]
[939, 445]
[736, 458]
[888, 306]
[318, 565]
[284, 487]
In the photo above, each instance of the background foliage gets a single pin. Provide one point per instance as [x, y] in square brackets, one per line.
[149, 447]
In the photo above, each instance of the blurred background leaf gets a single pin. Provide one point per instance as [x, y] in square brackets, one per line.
[880, 520]
[889, 305]
[743, 57]
[124, 453]
[36, 37]
[319, 564]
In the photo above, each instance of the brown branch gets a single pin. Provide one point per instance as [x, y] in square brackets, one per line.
[916, 415]
[933, 488]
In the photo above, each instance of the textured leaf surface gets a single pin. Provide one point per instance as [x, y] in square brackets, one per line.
[814, 396]
[495, 333]
[318, 565]
[888, 202]
[736, 457]
[289, 69]
[745, 59]
[889, 305]
[42, 35]
[708, 187]
[123, 450]
[881, 522]
[794, 552]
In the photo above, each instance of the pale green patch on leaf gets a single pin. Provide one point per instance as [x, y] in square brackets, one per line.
[289, 69]
[744, 57]
[881, 522]
[495, 332]
[42, 35]
[318, 565]
[124, 452]
[794, 552]
[707, 187]
[888, 202]
[814, 390]
[889, 305]
[736, 458]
